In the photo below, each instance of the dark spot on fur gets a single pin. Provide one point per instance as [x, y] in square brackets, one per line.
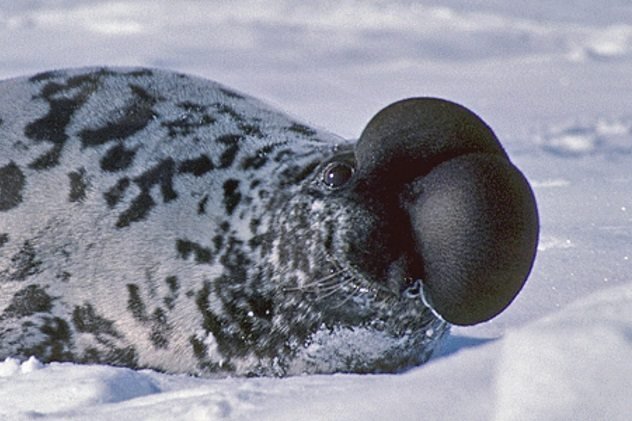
[264, 194]
[136, 115]
[63, 276]
[198, 347]
[23, 264]
[202, 205]
[140, 73]
[40, 77]
[301, 129]
[11, 185]
[218, 242]
[211, 323]
[159, 326]
[200, 352]
[86, 320]
[116, 193]
[293, 175]
[329, 239]
[78, 185]
[54, 339]
[58, 344]
[192, 107]
[64, 100]
[188, 248]
[260, 158]
[197, 167]
[254, 162]
[4, 238]
[140, 207]
[174, 287]
[30, 300]
[227, 158]
[172, 283]
[117, 158]
[258, 240]
[251, 130]
[232, 196]
[235, 260]
[113, 355]
[160, 329]
[135, 304]
[229, 111]
[231, 142]
[193, 117]
[254, 224]
[160, 174]
[49, 159]
[138, 210]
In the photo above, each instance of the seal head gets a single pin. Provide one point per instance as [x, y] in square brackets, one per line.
[424, 221]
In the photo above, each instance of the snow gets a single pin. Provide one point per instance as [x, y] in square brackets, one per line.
[553, 78]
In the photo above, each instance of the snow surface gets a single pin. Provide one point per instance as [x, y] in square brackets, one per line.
[553, 78]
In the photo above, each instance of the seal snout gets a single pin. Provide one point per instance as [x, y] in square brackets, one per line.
[439, 172]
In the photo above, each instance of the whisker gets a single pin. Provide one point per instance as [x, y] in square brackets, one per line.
[353, 294]
[333, 289]
[328, 289]
[320, 282]
[348, 279]
[343, 280]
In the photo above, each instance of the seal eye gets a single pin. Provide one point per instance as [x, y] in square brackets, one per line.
[337, 174]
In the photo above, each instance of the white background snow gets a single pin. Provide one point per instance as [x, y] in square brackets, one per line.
[553, 78]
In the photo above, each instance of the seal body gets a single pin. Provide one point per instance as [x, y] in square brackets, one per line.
[155, 220]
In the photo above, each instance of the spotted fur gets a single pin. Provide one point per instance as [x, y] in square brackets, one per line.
[151, 219]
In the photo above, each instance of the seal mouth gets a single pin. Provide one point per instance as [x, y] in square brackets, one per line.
[340, 287]
[366, 326]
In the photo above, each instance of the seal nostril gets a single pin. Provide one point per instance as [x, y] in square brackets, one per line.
[411, 288]
[337, 174]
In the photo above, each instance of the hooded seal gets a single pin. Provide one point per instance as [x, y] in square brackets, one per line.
[151, 219]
